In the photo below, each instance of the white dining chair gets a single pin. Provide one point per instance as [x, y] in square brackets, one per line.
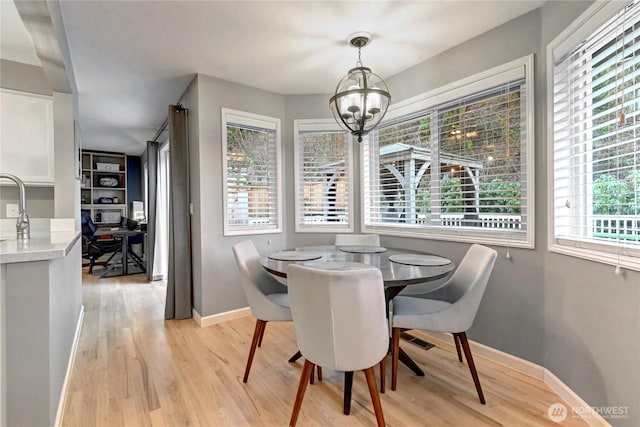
[268, 299]
[340, 320]
[454, 314]
[357, 240]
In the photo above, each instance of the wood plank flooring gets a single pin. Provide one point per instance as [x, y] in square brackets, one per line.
[133, 368]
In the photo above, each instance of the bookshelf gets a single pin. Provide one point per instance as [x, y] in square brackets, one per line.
[103, 186]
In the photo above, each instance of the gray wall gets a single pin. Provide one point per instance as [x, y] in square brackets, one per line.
[569, 315]
[67, 187]
[216, 285]
[591, 316]
[39, 200]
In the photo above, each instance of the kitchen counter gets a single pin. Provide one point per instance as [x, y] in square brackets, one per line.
[50, 239]
[42, 246]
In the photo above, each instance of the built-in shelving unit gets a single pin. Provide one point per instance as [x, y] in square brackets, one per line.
[104, 186]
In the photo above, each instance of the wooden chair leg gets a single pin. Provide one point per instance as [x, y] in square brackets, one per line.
[264, 326]
[375, 397]
[457, 341]
[395, 354]
[348, 385]
[462, 336]
[383, 374]
[295, 357]
[312, 379]
[254, 344]
[302, 387]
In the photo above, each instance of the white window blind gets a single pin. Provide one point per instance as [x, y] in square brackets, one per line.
[596, 148]
[251, 157]
[457, 170]
[323, 196]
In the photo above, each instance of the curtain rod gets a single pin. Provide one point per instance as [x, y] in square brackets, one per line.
[162, 128]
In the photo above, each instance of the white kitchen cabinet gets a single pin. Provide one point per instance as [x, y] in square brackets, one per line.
[26, 137]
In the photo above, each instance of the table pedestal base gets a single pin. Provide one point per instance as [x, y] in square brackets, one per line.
[348, 376]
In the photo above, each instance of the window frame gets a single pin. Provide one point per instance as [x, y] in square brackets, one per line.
[258, 121]
[579, 30]
[319, 125]
[446, 94]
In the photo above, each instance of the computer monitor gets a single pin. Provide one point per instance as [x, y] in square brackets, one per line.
[136, 210]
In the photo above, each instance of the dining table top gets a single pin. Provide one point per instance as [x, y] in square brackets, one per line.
[399, 271]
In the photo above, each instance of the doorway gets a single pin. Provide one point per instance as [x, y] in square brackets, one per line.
[159, 269]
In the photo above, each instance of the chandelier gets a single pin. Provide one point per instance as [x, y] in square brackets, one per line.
[362, 97]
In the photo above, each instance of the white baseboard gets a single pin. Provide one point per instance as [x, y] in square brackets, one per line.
[514, 362]
[72, 359]
[220, 317]
[578, 405]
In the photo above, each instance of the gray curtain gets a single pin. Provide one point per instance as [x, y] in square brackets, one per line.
[152, 183]
[179, 282]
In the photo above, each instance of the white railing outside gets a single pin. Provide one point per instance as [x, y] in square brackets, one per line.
[499, 221]
[317, 219]
[604, 225]
[610, 226]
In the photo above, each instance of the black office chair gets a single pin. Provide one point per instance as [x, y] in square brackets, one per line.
[93, 249]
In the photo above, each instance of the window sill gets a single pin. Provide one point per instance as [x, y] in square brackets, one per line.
[461, 235]
[251, 231]
[323, 229]
[624, 261]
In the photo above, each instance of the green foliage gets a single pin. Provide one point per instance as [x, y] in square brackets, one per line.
[613, 196]
[423, 200]
[500, 196]
[451, 195]
[497, 196]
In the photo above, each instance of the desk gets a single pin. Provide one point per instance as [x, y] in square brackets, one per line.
[125, 251]
[396, 277]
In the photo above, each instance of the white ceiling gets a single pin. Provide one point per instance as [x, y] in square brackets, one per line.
[132, 59]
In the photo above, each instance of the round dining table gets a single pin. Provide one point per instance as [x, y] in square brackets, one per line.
[399, 267]
[412, 267]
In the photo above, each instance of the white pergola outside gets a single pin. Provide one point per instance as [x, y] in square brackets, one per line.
[416, 161]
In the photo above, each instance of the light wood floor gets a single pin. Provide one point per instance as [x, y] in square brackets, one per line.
[133, 368]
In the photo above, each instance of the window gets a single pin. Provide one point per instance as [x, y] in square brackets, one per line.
[323, 177]
[595, 119]
[456, 164]
[251, 168]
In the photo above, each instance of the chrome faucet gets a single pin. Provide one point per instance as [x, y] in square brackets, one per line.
[22, 224]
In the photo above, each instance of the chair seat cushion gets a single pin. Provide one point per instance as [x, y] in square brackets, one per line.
[417, 313]
[276, 310]
[280, 299]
